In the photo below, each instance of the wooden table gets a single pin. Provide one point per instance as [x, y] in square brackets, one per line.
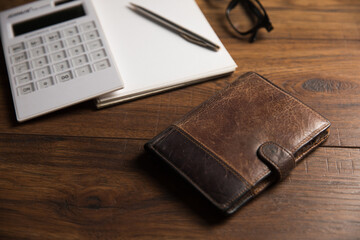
[82, 173]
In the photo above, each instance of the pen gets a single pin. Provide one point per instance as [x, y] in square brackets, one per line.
[183, 32]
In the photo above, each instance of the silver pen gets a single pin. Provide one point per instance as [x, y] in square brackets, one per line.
[183, 32]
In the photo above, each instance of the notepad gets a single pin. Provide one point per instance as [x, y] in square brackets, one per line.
[152, 59]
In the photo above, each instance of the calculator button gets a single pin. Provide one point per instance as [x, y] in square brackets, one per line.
[26, 89]
[102, 65]
[17, 48]
[88, 26]
[58, 56]
[74, 41]
[63, 77]
[77, 50]
[43, 72]
[45, 83]
[38, 51]
[56, 46]
[35, 42]
[80, 60]
[98, 55]
[69, 32]
[23, 78]
[40, 62]
[62, 66]
[83, 71]
[95, 45]
[21, 68]
[18, 58]
[91, 35]
[53, 37]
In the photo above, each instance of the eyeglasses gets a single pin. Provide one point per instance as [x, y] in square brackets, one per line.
[247, 17]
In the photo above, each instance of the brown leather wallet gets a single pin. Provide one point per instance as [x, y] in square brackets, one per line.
[240, 141]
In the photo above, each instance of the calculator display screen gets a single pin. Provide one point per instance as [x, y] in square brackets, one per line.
[48, 20]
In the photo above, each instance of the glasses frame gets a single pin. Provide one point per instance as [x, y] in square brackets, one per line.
[262, 19]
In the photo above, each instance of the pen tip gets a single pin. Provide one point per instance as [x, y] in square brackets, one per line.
[133, 4]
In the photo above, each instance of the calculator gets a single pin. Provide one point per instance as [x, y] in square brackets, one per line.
[56, 55]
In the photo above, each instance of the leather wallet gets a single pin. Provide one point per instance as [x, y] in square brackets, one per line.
[246, 137]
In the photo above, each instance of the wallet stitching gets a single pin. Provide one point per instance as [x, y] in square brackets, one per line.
[238, 203]
[238, 195]
[312, 147]
[310, 136]
[194, 183]
[214, 155]
[262, 174]
[223, 164]
[166, 133]
[307, 108]
[265, 172]
[274, 165]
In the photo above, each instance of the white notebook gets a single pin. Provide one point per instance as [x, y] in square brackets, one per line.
[151, 58]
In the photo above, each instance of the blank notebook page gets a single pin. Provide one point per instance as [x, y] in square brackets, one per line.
[151, 57]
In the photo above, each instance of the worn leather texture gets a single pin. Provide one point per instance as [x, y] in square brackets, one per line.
[244, 138]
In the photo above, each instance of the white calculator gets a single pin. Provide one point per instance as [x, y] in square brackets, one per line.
[56, 55]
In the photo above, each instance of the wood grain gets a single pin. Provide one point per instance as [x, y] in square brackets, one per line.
[86, 188]
[82, 173]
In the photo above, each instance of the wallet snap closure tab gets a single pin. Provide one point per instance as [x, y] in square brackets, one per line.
[278, 157]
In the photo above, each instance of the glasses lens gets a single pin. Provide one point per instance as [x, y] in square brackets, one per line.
[245, 14]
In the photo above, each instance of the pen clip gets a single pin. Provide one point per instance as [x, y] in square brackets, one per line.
[199, 42]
